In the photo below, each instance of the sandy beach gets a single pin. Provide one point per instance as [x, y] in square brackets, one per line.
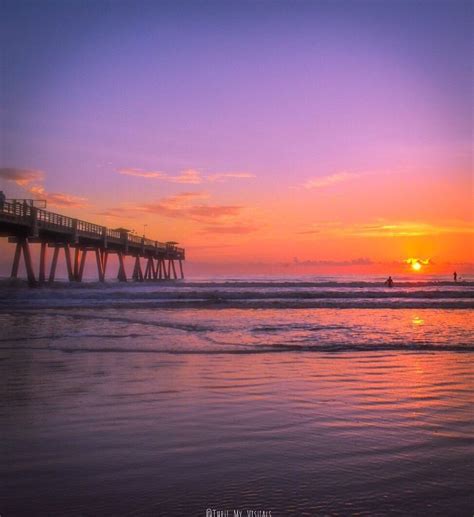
[180, 411]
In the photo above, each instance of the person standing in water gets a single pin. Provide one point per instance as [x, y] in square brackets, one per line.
[389, 282]
[455, 277]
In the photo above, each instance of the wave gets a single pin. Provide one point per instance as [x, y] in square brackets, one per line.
[261, 349]
[274, 294]
[246, 304]
[246, 300]
[237, 284]
[218, 296]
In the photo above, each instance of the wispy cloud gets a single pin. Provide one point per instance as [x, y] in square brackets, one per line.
[211, 246]
[361, 261]
[388, 229]
[141, 173]
[31, 181]
[58, 198]
[230, 229]
[192, 206]
[186, 205]
[184, 198]
[229, 175]
[167, 208]
[331, 179]
[188, 176]
[213, 211]
[21, 177]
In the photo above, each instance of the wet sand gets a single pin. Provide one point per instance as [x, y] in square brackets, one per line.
[297, 434]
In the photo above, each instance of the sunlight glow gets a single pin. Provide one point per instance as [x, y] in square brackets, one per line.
[417, 263]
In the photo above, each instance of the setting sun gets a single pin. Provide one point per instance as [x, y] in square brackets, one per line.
[417, 263]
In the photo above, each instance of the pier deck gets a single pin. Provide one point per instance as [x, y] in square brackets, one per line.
[24, 224]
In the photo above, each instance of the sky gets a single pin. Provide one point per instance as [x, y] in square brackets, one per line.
[330, 135]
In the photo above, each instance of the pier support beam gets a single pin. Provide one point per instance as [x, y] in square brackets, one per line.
[23, 246]
[137, 270]
[67, 253]
[77, 252]
[150, 272]
[122, 275]
[16, 260]
[28, 262]
[156, 269]
[160, 269]
[101, 259]
[80, 255]
[42, 266]
[175, 276]
[54, 263]
[158, 265]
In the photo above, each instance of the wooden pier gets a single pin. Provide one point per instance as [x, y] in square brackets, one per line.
[25, 224]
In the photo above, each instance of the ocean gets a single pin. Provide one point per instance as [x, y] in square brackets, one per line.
[284, 396]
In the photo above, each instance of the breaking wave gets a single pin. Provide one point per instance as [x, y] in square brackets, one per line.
[240, 294]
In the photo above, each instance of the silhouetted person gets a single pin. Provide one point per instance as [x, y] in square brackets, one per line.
[455, 276]
[389, 282]
[2, 199]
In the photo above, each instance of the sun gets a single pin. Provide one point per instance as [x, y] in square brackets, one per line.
[416, 264]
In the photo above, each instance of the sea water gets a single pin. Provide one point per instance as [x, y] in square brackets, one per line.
[314, 396]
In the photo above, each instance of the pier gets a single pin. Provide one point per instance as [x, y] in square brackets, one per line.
[25, 224]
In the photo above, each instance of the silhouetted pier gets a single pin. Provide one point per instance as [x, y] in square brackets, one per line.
[25, 224]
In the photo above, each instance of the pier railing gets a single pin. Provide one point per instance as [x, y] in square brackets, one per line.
[22, 213]
[25, 224]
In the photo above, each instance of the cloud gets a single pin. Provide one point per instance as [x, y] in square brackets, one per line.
[361, 261]
[178, 201]
[31, 181]
[185, 205]
[213, 211]
[225, 175]
[231, 229]
[141, 173]
[409, 229]
[119, 213]
[308, 232]
[211, 246]
[413, 260]
[174, 208]
[188, 176]
[387, 229]
[327, 181]
[190, 206]
[57, 198]
[184, 198]
[21, 177]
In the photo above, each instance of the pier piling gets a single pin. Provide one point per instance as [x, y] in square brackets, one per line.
[25, 225]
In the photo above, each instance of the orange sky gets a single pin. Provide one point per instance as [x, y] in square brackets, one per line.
[317, 136]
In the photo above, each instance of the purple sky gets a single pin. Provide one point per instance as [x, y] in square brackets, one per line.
[286, 92]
